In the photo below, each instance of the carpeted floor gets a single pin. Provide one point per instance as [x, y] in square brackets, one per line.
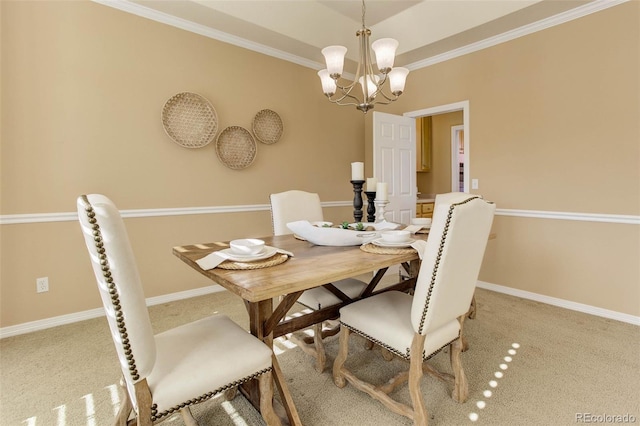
[528, 363]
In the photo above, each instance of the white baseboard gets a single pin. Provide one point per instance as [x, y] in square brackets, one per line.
[29, 327]
[566, 304]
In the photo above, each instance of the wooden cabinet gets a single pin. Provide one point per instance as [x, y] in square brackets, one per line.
[424, 210]
[423, 144]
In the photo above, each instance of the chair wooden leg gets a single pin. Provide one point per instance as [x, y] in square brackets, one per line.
[463, 339]
[471, 314]
[265, 382]
[461, 387]
[187, 417]
[343, 351]
[143, 398]
[315, 348]
[125, 408]
[420, 417]
[321, 357]
[386, 354]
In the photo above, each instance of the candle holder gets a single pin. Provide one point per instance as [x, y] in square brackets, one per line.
[380, 208]
[371, 208]
[357, 199]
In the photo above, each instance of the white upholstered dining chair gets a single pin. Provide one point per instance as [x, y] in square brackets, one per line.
[291, 206]
[170, 371]
[415, 328]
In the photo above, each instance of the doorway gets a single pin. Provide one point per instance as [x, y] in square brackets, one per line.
[458, 156]
[464, 135]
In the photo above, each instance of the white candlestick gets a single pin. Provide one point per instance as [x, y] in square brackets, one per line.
[371, 184]
[357, 171]
[381, 191]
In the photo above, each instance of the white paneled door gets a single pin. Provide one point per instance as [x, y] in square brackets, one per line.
[394, 162]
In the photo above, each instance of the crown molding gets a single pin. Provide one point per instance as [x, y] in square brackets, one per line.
[558, 19]
[543, 24]
[209, 32]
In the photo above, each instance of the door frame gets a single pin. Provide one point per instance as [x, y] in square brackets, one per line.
[455, 152]
[442, 109]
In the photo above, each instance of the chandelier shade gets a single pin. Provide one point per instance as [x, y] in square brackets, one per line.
[371, 81]
[334, 57]
[385, 50]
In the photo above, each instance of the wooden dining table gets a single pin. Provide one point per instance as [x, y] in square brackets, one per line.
[311, 266]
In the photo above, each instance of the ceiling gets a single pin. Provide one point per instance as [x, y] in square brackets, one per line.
[299, 29]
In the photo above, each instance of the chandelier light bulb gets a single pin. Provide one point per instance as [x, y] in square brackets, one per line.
[385, 50]
[334, 57]
[397, 79]
[328, 83]
[372, 84]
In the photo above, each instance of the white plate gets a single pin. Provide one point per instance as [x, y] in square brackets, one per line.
[380, 243]
[266, 253]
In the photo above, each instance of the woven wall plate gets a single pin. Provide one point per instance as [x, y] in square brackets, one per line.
[236, 148]
[267, 126]
[190, 120]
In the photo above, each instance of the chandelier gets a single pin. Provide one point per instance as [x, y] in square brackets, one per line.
[370, 82]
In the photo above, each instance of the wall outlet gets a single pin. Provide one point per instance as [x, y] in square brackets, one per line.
[42, 284]
[474, 183]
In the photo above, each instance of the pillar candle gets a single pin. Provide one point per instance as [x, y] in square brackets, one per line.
[357, 171]
[381, 191]
[371, 184]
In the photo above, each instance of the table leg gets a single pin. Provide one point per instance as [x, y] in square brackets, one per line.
[259, 313]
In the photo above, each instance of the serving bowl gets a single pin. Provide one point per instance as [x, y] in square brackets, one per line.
[400, 236]
[247, 246]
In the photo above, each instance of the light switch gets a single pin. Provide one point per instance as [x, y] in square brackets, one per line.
[474, 183]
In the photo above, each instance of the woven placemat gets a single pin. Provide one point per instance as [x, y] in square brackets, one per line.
[189, 120]
[236, 148]
[372, 248]
[274, 260]
[267, 126]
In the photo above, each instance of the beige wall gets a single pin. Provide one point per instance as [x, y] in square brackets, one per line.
[83, 87]
[553, 127]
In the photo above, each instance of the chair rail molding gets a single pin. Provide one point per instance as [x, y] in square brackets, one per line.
[15, 219]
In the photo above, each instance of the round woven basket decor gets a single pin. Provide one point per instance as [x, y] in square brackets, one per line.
[267, 126]
[236, 148]
[190, 120]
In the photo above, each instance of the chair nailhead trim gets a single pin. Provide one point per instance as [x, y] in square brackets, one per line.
[113, 290]
[434, 274]
[155, 415]
[407, 354]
